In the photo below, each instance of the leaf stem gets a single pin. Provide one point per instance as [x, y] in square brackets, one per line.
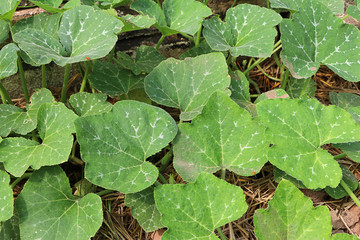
[65, 83]
[267, 75]
[284, 78]
[25, 175]
[342, 155]
[104, 192]
[233, 4]
[223, 173]
[23, 80]
[351, 194]
[158, 2]
[43, 75]
[159, 42]
[221, 234]
[162, 179]
[276, 58]
[76, 160]
[260, 60]
[111, 55]
[84, 81]
[345, 17]
[198, 36]
[267, 4]
[166, 160]
[235, 66]
[305, 86]
[4, 95]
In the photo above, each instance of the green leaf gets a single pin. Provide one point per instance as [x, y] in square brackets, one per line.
[239, 87]
[84, 187]
[344, 236]
[8, 60]
[51, 6]
[336, 6]
[350, 180]
[352, 149]
[115, 146]
[295, 87]
[6, 200]
[217, 139]
[291, 215]
[10, 229]
[298, 129]
[15, 119]
[315, 36]
[7, 6]
[353, 11]
[176, 16]
[345, 100]
[4, 31]
[55, 126]
[194, 210]
[202, 76]
[140, 20]
[112, 80]
[272, 94]
[280, 175]
[72, 4]
[248, 30]
[87, 104]
[144, 210]
[203, 48]
[48, 210]
[84, 32]
[147, 58]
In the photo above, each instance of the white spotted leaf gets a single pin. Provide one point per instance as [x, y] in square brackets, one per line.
[297, 88]
[194, 210]
[315, 36]
[87, 104]
[113, 80]
[8, 60]
[297, 129]
[84, 32]
[10, 229]
[140, 21]
[115, 145]
[223, 136]
[8, 5]
[48, 210]
[4, 30]
[336, 6]
[22, 122]
[291, 215]
[6, 199]
[144, 210]
[55, 126]
[189, 83]
[248, 30]
[354, 11]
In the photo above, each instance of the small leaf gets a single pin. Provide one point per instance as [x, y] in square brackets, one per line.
[144, 210]
[315, 36]
[345, 100]
[336, 6]
[115, 145]
[8, 60]
[350, 180]
[51, 6]
[87, 104]
[113, 80]
[248, 31]
[203, 75]
[203, 48]
[48, 210]
[14, 119]
[140, 20]
[6, 200]
[298, 129]
[10, 229]
[194, 210]
[354, 11]
[295, 87]
[55, 125]
[291, 215]
[4, 31]
[223, 136]
[239, 86]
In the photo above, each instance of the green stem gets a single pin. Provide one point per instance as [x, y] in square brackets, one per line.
[111, 55]
[252, 82]
[260, 60]
[159, 42]
[65, 83]
[187, 36]
[277, 44]
[351, 194]
[305, 86]
[276, 49]
[166, 160]
[221, 234]
[25, 175]
[83, 84]
[162, 179]
[223, 172]
[233, 4]
[267, 4]
[197, 37]
[158, 2]
[23, 81]
[284, 78]
[342, 155]
[76, 160]
[4, 95]
[345, 17]
[276, 58]
[81, 69]
[267, 75]
[104, 192]
[43, 80]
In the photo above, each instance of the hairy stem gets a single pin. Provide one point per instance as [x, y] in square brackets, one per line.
[166, 160]
[198, 36]
[233, 4]
[65, 83]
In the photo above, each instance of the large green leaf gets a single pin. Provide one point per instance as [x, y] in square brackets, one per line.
[113, 80]
[84, 32]
[315, 36]
[248, 31]
[176, 16]
[298, 129]
[8, 60]
[22, 122]
[223, 136]
[4, 31]
[187, 84]
[55, 126]
[291, 215]
[143, 208]
[115, 146]
[48, 210]
[336, 6]
[194, 210]
[87, 104]
[6, 200]
[10, 229]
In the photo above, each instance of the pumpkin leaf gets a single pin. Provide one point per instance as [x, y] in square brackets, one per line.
[115, 145]
[353, 11]
[350, 180]
[8, 60]
[203, 48]
[140, 21]
[296, 87]
[87, 104]
[189, 212]
[202, 75]
[336, 6]
[4, 31]
[8, 5]
[6, 200]
[51, 6]
[345, 100]
[10, 229]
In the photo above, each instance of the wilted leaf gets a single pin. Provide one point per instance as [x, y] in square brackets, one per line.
[87, 104]
[6, 200]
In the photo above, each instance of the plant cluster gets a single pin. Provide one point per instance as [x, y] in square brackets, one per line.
[219, 129]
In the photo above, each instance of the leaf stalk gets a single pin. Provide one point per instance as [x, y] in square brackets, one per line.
[23, 80]
[65, 83]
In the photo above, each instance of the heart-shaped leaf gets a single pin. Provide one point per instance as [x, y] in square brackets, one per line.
[187, 84]
[55, 125]
[6, 200]
[84, 32]
[223, 136]
[143, 208]
[15, 119]
[248, 31]
[115, 145]
[4, 31]
[10, 229]
[48, 210]
[315, 36]
[87, 104]
[176, 16]
[194, 210]
[8, 60]
[299, 87]
[113, 80]
[350, 180]
[298, 129]
[291, 215]
[336, 6]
